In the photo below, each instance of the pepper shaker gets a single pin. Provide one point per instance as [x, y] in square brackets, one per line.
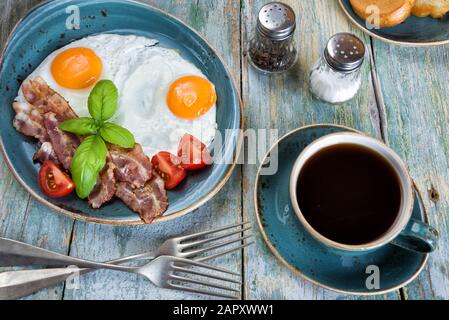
[272, 48]
[336, 77]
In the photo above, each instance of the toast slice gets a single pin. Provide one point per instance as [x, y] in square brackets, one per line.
[392, 12]
[434, 8]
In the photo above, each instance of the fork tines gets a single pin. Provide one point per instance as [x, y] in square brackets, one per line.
[188, 275]
[205, 243]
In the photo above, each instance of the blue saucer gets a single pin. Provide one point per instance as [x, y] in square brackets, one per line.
[300, 252]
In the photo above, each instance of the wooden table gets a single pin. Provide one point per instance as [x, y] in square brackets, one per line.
[407, 105]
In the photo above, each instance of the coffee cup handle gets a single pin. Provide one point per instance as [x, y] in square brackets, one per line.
[417, 236]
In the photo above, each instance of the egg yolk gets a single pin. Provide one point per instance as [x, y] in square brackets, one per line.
[191, 97]
[76, 68]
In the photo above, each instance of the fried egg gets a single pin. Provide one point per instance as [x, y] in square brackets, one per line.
[162, 96]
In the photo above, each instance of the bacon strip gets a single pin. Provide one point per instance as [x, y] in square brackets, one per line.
[125, 171]
[39, 117]
[106, 187]
[149, 202]
[132, 165]
[29, 121]
[64, 144]
[45, 152]
[42, 97]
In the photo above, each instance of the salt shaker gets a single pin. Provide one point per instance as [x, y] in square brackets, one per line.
[273, 49]
[336, 77]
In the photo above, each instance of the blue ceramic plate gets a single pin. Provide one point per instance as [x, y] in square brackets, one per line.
[415, 31]
[301, 253]
[43, 30]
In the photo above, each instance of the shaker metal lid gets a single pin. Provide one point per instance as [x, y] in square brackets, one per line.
[345, 52]
[276, 20]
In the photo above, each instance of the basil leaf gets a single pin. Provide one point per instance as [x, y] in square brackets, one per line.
[88, 161]
[103, 101]
[117, 135]
[80, 126]
[85, 179]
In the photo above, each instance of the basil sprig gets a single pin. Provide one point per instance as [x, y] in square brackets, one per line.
[90, 157]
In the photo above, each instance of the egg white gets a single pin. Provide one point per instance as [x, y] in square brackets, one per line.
[142, 72]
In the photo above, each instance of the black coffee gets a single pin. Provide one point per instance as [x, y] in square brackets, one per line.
[349, 194]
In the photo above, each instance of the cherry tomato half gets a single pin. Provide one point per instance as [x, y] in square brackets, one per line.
[53, 181]
[168, 166]
[193, 153]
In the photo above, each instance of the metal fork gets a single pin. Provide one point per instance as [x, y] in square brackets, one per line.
[16, 253]
[26, 282]
[166, 272]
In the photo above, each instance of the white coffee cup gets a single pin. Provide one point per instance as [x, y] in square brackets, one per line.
[404, 232]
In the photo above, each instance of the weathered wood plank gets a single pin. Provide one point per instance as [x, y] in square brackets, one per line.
[219, 22]
[21, 217]
[284, 103]
[415, 89]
